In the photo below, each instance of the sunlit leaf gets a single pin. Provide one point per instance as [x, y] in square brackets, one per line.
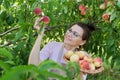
[118, 3]
[6, 4]
[3, 15]
[113, 16]
[10, 20]
[19, 35]
[15, 72]
[1, 2]
[6, 53]
[5, 66]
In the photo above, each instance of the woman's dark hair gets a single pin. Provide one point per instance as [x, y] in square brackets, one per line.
[87, 29]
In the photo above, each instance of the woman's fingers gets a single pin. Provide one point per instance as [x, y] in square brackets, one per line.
[36, 25]
[39, 19]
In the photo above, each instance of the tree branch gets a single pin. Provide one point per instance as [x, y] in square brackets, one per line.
[15, 28]
[49, 28]
[7, 44]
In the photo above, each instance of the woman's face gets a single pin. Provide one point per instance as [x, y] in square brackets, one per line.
[73, 36]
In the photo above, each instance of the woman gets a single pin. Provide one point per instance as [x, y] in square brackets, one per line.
[75, 37]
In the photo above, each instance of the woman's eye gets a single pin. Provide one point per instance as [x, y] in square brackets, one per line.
[70, 29]
[75, 34]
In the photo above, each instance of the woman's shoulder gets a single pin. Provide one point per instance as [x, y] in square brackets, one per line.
[55, 43]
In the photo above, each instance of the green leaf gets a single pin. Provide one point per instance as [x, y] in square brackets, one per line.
[49, 64]
[1, 2]
[45, 65]
[10, 20]
[118, 4]
[19, 35]
[113, 16]
[19, 46]
[6, 4]
[4, 66]
[3, 15]
[55, 75]
[10, 62]
[73, 70]
[15, 73]
[6, 53]
[65, 10]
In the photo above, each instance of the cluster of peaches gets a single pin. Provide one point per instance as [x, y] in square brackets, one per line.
[85, 61]
[106, 16]
[38, 11]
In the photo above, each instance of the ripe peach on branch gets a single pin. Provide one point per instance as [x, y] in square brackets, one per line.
[82, 9]
[105, 1]
[106, 16]
[103, 6]
[110, 3]
[38, 11]
[46, 19]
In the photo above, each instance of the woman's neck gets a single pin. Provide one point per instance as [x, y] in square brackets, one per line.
[69, 47]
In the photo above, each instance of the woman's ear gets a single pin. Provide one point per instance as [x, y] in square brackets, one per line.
[83, 42]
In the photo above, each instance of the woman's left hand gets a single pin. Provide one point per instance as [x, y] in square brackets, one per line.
[36, 24]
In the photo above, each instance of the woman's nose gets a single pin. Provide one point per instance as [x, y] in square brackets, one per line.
[69, 34]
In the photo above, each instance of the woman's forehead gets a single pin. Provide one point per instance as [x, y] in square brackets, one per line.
[77, 28]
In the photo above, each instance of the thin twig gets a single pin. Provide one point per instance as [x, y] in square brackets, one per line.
[10, 30]
[11, 42]
[7, 44]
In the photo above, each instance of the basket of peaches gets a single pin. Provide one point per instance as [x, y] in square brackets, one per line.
[87, 63]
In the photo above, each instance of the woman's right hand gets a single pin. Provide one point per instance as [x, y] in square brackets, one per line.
[36, 24]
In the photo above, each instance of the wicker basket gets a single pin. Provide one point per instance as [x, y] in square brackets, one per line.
[66, 60]
[93, 71]
[89, 71]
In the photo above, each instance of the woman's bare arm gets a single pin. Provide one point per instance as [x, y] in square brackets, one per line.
[34, 54]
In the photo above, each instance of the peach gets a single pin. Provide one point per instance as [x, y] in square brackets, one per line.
[38, 11]
[105, 1]
[98, 62]
[106, 16]
[81, 7]
[83, 12]
[46, 19]
[89, 59]
[69, 54]
[92, 66]
[81, 54]
[84, 64]
[103, 6]
[74, 58]
[110, 3]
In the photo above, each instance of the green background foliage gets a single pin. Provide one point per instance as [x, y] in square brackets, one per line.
[17, 34]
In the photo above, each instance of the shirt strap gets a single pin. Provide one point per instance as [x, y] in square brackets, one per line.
[60, 53]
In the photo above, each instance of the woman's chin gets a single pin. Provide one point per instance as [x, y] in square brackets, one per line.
[67, 42]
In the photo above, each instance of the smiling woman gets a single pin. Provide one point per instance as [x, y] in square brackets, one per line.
[76, 36]
[73, 37]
